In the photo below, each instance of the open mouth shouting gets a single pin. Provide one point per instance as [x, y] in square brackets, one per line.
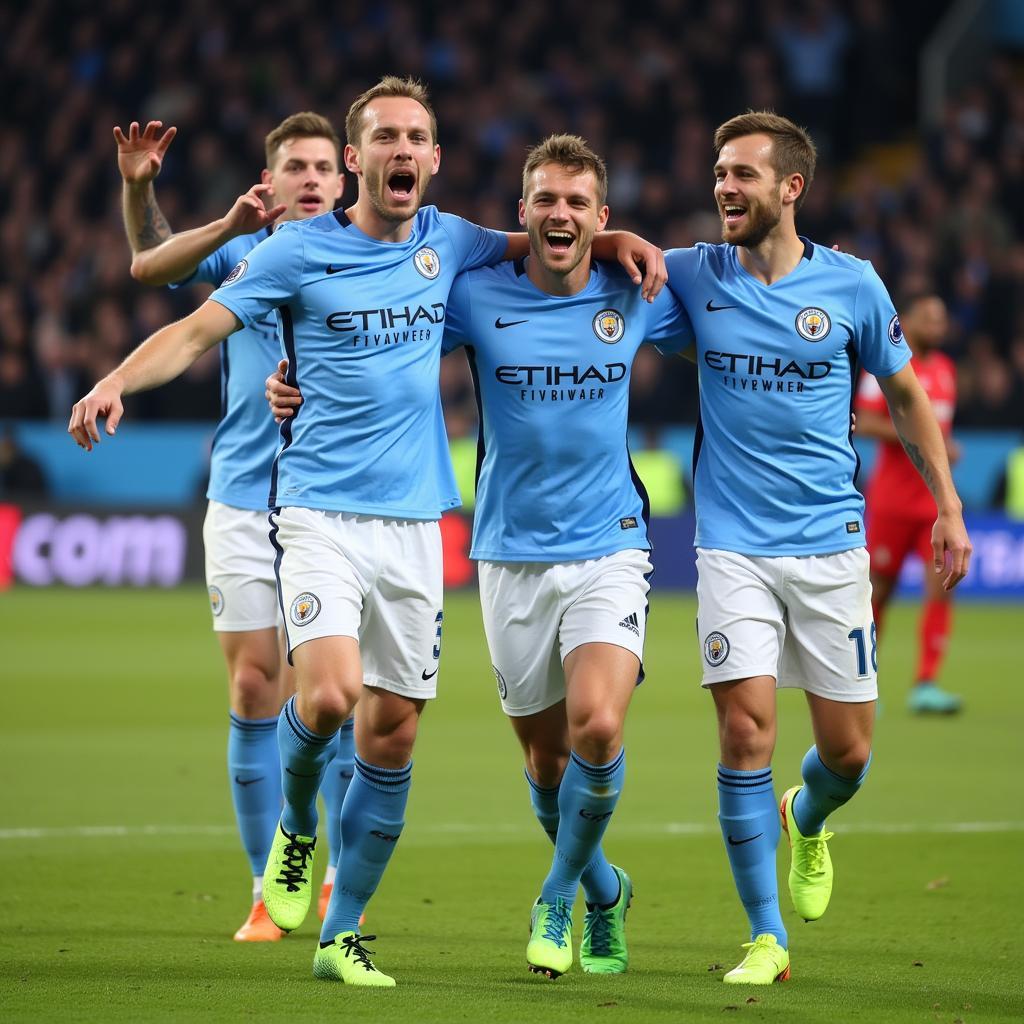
[401, 186]
[559, 241]
[733, 213]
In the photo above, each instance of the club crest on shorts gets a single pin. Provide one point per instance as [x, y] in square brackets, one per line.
[716, 649]
[502, 685]
[813, 324]
[305, 608]
[216, 600]
[609, 326]
[237, 274]
[427, 262]
[895, 330]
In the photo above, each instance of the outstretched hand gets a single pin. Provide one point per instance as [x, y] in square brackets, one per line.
[284, 400]
[140, 155]
[248, 214]
[635, 251]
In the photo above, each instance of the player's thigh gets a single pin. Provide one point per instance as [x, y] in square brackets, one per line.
[240, 576]
[328, 676]
[403, 610]
[321, 576]
[521, 608]
[830, 647]
[741, 620]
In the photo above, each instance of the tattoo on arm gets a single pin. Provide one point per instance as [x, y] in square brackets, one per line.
[154, 228]
[915, 456]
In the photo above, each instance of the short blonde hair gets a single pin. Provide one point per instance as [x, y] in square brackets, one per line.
[389, 85]
[571, 152]
[305, 125]
[793, 150]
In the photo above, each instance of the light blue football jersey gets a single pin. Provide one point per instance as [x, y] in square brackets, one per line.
[247, 438]
[361, 327]
[774, 466]
[555, 482]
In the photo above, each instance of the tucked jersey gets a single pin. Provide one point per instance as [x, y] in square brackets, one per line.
[247, 438]
[555, 481]
[774, 465]
[896, 488]
[361, 327]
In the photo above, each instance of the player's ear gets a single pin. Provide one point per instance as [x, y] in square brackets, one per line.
[351, 158]
[522, 212]
[602, 217]
[436, 165]
[794, 188]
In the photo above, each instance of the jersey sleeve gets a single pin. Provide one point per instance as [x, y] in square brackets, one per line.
[457, 316]
[878, 337]
[266, 278]
[869, 395]
[668, 324]
[474, 246]
[683, 266]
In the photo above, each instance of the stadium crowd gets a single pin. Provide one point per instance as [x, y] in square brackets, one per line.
[947, 212]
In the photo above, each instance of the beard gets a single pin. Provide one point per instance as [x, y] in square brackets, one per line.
[538, 249]
[375, 191]
[762, 219]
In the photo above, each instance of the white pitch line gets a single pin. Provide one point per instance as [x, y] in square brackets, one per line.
[466, 830]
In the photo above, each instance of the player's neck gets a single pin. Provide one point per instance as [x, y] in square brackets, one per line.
[371, 223]
[775, 257]
[558, 284]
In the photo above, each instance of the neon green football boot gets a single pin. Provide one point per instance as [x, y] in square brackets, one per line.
[346, 959]
[549, 951]
[766, 962]
[286, 879]
[810, 870]
[603, 950]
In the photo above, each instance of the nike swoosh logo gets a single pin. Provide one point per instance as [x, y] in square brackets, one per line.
[501, 325]
[299, 775]
[332, 269]
[249, 782]
[716, 309]
[431, 676]
[740, 842]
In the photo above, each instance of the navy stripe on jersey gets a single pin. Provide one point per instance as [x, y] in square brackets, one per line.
[851, 351]
[480, 446]
[291, 378]
[225, 373]
[641, 491]
[342, 218]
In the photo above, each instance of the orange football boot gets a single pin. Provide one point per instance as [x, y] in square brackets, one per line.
[258, 927]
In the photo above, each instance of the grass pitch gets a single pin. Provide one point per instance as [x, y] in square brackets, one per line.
[121, 878]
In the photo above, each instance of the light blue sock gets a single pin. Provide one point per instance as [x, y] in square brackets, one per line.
[254, 770]
[750, 824]
[822, 792]
[371, 822]
[599, 881]
[335, 786]
[304, 758]
[587, 796]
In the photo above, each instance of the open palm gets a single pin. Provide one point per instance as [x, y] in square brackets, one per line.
[140, 155]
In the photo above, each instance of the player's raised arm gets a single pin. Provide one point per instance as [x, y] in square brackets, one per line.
[160, 358]
[919, 433]
[140, 155]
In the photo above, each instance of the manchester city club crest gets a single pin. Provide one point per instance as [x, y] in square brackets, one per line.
[609, 326]
[427, 263]
[237, 274]
[216, 600]
[716, 649]
[305, 608]
[502, 685]
[813, 324]
[895, 331]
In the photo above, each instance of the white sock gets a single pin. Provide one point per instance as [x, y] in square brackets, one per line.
[257, 887]
[329, 874]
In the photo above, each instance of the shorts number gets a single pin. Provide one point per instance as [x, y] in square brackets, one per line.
[857, 636]
[437, 647]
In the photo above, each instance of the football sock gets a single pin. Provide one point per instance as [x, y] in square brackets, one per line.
[599, 881]
[335, 786]
[304, 758]
[934, 632]
[822, 792]
[587, 796]
[254, 773]
[371, 822]
[749, 817]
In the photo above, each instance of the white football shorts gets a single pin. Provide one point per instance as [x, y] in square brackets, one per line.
[536, 613]
[377, 580]
[240, 575]
[804, 620]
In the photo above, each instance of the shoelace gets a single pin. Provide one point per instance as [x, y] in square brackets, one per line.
[598, 929]
[557, 923]
[296, 856]
[816, 852]
[354, 947]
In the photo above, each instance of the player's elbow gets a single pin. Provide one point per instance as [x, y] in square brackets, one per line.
[142, 270]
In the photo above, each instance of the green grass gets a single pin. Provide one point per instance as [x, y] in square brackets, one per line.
[114, 715]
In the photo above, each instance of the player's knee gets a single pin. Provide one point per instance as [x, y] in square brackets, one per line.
[598, 737]
[328, 705]
[388, 741]
[745, 736]
[254, 691]
[850, 760]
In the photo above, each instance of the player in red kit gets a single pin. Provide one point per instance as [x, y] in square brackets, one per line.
[900, 508]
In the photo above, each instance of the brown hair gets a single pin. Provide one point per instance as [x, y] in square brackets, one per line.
[305, 125]
[389, 85]
[568, 151]
[793, 151]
